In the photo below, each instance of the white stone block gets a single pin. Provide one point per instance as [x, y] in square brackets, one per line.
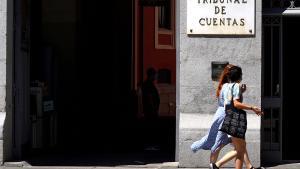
[3, 5]
[2, 73]
[2, 98]
[1, 151]
[3, 24]
[2, 48]
[2, 34]
[2, 118]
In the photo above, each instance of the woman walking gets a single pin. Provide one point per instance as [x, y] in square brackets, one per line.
[233, 96]
[215, 140]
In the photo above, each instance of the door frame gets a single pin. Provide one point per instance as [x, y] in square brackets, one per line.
[20, 80]
[271, 102]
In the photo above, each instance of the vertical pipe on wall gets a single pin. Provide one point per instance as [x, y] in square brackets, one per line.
[177, 35]
[7, 126]
[141, 42]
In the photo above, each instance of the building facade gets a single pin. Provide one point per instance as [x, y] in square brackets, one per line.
[49, 54]
[197, 88]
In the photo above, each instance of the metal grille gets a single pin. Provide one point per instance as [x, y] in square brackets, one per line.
[271, 20]
[281, 4]
[271, 130]
[272, 73]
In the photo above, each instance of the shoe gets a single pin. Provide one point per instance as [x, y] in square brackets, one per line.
[257, 168]
[260, 168]
[213, 166]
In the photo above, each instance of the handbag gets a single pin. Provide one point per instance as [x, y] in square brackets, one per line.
[235, 121]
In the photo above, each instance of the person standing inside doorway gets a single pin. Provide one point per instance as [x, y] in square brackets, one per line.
[151, 102]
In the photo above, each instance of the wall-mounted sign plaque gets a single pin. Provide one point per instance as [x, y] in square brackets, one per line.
[221, 17]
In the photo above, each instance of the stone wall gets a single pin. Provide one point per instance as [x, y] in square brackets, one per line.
[3, 24]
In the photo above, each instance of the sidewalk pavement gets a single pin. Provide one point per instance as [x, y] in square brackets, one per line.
[165, 165]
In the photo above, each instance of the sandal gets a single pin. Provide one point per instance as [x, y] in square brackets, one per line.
[256, 168]
[213, 166]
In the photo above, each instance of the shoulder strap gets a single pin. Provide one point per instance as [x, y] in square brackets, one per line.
[232, 92]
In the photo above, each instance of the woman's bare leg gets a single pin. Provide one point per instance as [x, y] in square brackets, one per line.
[227, 157]
[240, 147]
[214, 156]
[232, 154]
[247, 160]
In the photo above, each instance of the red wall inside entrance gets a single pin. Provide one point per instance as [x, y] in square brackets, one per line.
[157, 58]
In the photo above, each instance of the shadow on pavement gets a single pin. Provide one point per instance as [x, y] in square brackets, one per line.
[107, 159]
[283, 164]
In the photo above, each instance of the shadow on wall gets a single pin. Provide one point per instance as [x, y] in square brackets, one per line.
[164, 76]
[167, 92]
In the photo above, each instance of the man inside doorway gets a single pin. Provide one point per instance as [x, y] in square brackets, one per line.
[151, 101]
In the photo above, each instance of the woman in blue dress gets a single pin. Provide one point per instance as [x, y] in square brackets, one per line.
[215, 140]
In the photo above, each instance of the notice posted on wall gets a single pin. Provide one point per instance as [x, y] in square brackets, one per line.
[221, 17]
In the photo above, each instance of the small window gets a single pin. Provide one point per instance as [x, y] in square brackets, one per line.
[165, 25]
[164, 15]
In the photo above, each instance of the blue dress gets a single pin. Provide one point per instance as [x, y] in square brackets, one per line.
[215, 138]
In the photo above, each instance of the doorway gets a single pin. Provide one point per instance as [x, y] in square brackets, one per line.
[280, 32]
[80, 85]
[291, 27]
[272, 92]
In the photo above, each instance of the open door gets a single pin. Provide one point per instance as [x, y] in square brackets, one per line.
[76, 79]
[280, 31]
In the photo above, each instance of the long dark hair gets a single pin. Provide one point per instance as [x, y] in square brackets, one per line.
[223, 78]
[235, 74]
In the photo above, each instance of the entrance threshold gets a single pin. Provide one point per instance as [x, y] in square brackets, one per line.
[138, 158]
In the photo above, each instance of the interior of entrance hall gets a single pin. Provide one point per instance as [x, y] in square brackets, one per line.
[290, 117]
[85, 66]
